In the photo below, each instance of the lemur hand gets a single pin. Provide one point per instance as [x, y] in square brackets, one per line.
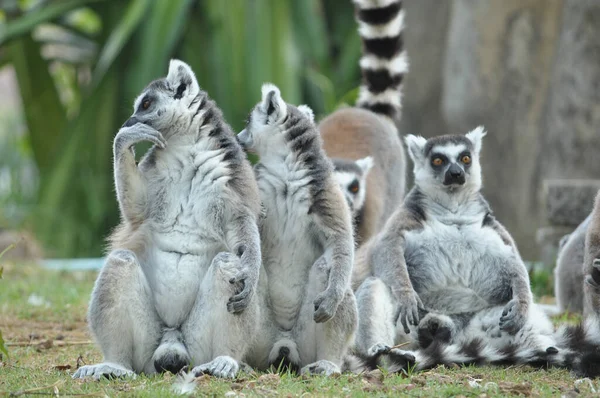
[513, 316]
[247, 278]
[408, 307]
[326, 304]
[139, 132]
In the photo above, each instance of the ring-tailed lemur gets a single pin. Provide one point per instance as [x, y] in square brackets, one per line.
[443, 248]
[568, 274]
[574, 347]
[370, 128]
[178, 286]
[307, 244]
[351, 175]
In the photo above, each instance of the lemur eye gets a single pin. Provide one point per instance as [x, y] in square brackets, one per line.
[466, 159]
[437, 161]
[354, 187]
[146, 104]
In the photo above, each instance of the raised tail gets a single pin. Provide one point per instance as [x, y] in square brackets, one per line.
[384, 61]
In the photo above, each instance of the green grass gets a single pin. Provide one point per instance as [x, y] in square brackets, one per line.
[46, 342]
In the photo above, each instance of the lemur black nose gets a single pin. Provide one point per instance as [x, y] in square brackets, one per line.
[454, 175]
[130, 122]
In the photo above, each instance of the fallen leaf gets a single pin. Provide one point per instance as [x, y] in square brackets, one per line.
[515, 388]
[373, 377]
[237, 386]
[61, 367]
[45, 345]
[269, 378]
[80, 361]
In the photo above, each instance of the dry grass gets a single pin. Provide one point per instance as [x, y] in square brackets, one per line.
[42, 317]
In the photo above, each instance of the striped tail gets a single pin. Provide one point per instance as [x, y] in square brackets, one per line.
[578, 350]
[384, 61]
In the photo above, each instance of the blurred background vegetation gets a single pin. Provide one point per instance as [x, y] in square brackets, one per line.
[528, 70]
[80, 63]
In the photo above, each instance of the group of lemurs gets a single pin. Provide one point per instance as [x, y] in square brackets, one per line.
[315, 260]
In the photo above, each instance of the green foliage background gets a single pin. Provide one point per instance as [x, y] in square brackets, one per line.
[104, 52]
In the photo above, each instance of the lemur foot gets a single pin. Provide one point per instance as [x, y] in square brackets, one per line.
[106, 369]
[593, 279]
[513, 317]
[223, 366]
[322, 367]
[436, 327]
[399, 360]
[378, 349]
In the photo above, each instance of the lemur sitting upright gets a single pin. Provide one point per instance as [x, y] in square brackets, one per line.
[364, 141]
[307, 245]
[444, 263]
[178, 286]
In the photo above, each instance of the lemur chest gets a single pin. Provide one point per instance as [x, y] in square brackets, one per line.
[290, 245]
[187, 195]
[186, 192]
[456, 255]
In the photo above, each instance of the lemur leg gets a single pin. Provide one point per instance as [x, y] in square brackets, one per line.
[376, 315]
[122, 319]
[258, 355]
[322, 346]
[217, 339]
[592, 297]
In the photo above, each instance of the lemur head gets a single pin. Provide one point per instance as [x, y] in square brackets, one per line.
[351, 176]
[448, 162]
[271, 117]
[165, 103]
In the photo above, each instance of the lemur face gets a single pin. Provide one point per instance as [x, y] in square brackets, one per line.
[351, 176]
[449, 162]
[269, 119]
[167, 101]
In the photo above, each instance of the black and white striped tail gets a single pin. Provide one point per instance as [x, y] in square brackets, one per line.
[384, 61]
[578, 350]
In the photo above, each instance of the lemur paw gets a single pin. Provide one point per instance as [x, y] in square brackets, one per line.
[322, 367]
[435, 327]
[378, 349]
[326, 304]
[513, 317]
[408, 308]
[106, 369]
[593, 278]
[243, 280]
[223, 366]
[139, 132]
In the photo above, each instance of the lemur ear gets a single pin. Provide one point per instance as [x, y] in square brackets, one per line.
[476, 137]
[415, 145]
[182, 79]
[306, 110]
[365, 164]
[272, 103]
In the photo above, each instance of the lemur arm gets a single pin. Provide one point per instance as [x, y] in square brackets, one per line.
[129, 181]
[242, 238]
[335, 226]
[520, 278]
[386, 256]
